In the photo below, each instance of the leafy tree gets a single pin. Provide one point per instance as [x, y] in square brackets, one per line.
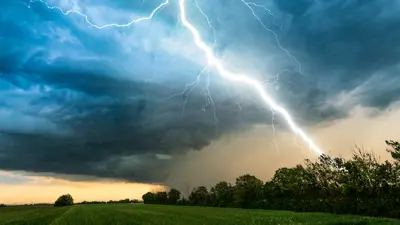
[161, 197]
[149, 198]
[173, 196]
[394, 149]
[248, 191]
[64, 200]
[222, 194]
[183, 201]
[199, 196]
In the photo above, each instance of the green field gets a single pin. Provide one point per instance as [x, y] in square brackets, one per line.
[174, 215]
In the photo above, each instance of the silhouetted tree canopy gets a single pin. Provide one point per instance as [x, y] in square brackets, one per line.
[248, 191]
[199, 196]
[64, 200]
[359, 185]
[222, 194]
[149, 198]
[173, 196]
[394, 149]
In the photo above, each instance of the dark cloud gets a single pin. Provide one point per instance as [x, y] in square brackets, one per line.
[109, 127]
[88, 102]
[347, 41]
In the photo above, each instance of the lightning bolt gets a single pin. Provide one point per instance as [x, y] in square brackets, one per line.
[158, 8]
[267, 10]
[189, 88]
[208, 21]
[212, 60]
[209, 100]
[250, 5]
[243, 79]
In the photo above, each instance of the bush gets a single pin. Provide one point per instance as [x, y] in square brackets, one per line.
[64, 200]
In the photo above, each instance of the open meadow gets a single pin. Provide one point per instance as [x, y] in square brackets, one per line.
[174, 215]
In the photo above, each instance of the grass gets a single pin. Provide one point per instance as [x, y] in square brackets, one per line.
[165, 215]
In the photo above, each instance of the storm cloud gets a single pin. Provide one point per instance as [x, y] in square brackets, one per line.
[114, 103]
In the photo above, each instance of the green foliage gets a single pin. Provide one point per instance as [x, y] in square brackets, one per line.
[394, 149]
[122, 201]
[149, 198]
[248, 192]
[64, 200]
[360, 185]
[199, 196]
[173, 196]
[91, 202]
[222, 194]
[162, 197]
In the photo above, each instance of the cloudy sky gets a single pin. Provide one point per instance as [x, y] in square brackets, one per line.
[126, 109]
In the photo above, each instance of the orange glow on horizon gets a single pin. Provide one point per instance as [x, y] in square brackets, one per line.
[48, 189]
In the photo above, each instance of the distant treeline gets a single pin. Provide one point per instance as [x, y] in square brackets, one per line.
[33, 204]
[361, 185]
[122, 201]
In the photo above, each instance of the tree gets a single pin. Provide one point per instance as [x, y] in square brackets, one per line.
[64, 200]
[183, 201]
[248, 191]
[134, 201]
[199, 196]
[149, 198]
[222, 194]
[161, 197]
[394, 149]
[173, 196]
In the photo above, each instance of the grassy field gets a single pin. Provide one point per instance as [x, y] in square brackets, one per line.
[174, 215]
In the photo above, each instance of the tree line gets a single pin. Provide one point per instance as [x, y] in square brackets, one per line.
[67, 199]
[360, 185]
[122, 201]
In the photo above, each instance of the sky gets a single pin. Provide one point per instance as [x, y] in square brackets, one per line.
[115, 112]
